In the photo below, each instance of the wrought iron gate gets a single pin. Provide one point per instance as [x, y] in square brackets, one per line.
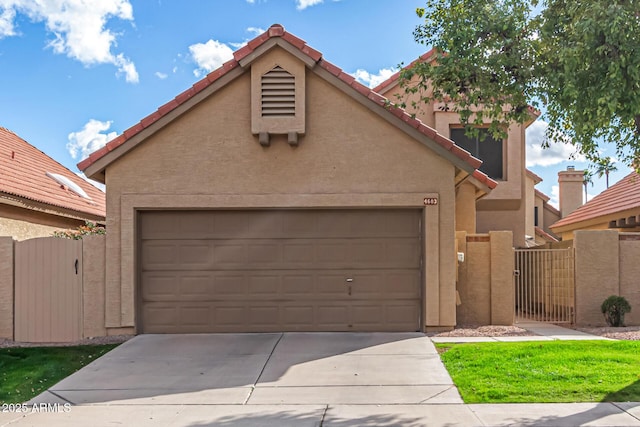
[545, 285]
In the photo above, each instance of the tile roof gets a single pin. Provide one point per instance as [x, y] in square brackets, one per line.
[622, 196]
[278, 31]
[548, 237]
[23, 173]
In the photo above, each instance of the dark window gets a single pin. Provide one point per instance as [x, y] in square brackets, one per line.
[484, 147]
[535, 216]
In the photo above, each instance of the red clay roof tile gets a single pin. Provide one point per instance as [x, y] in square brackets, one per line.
[278, 30]
[23, 173]
[622, 196]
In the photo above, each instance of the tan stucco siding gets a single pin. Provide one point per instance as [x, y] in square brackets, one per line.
[208, 158]
[23, 224]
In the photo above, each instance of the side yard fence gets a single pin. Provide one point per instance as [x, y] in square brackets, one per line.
[52, 289]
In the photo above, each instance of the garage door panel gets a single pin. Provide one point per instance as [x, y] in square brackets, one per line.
[287, 253]
[259, 271]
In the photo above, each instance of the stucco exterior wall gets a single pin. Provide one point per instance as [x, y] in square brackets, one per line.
[93, 286]
[630, 277]
[597, 272]
[6, 287]
[530, 204]
[466, 208]
[23, 224]
[208, 158]
[485, 278]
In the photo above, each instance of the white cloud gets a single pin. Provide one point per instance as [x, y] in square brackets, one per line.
[89, 139]
[209, 56]
[556, 153]
[78, 28]
[6, 23]
[160, 75]
[303, 4]
[373, 80]
[256, 31]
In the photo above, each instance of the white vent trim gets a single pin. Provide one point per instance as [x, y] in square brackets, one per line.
[278, 93]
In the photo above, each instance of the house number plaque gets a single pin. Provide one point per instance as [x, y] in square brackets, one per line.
[430, 201]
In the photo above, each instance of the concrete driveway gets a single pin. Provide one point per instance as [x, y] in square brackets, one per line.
[259, 369]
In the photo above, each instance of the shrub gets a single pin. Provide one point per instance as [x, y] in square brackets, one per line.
[614, 308]
[88, 229]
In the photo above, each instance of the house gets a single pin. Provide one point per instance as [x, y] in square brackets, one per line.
[278, 193]
[540, 214]
[511, 206]
[38, 195]
[616, 208]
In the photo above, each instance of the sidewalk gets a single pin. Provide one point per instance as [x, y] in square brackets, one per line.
[543, 331]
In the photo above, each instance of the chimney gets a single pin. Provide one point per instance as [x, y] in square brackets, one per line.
[571, 183]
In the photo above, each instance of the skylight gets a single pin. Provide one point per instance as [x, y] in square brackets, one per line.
[63, 180]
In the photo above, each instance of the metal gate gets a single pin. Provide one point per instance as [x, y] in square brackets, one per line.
[545, 285]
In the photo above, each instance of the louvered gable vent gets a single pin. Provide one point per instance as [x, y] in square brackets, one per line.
[278, 93]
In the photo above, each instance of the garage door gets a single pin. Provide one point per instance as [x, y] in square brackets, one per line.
[286, 270]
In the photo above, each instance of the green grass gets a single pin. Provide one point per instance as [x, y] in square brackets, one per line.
[27, 372]
[557, 371]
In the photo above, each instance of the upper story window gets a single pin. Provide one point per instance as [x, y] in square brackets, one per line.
[485, 148]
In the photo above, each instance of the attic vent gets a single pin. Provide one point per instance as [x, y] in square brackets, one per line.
[278, 93]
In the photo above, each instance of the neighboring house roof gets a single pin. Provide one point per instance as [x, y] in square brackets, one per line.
[534, 177]
[396, 76]
[544, 235]
[23, 175]
[622, 196]
[95, 164]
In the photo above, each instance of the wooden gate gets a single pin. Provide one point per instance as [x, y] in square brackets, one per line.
[48, 290]
[545, 285]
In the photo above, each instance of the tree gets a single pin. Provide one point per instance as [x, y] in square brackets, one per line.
[578, 60]
[603, 167]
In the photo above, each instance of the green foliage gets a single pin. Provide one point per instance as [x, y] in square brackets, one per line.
[537, 372]
[579, 59]
[27, 372]
[88, 229]
[614, 308]
[604, 166]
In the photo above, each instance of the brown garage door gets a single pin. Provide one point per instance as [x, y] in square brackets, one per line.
[285, 270]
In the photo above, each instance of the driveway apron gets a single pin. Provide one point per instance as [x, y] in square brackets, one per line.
[259, 369]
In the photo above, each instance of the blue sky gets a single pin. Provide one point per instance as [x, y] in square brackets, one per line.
[75, 73]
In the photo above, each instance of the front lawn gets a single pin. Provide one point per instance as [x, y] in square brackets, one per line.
[28, 371]
[556, 371]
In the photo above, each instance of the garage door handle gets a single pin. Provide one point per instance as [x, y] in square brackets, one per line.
[75, 264]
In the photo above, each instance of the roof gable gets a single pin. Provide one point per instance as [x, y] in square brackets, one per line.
[23, 174]
[622, 196]
[276, 35]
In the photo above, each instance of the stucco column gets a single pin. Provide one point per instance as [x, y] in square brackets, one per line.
[502, 286]
[6, 287]
[93, 286]
[466, 208]
[597, 273]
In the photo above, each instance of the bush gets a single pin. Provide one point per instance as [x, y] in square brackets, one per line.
[88, 229]
[614, 308]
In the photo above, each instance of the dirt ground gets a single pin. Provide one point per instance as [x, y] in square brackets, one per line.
[624, 333]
